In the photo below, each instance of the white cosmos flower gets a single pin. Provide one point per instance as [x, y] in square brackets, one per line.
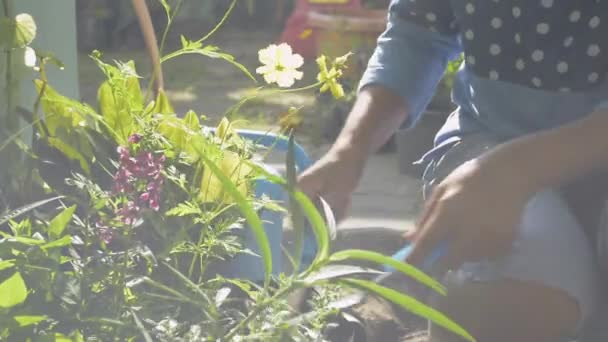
[280, 65]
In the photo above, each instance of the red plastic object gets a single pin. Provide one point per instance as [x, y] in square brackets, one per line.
[300, 34]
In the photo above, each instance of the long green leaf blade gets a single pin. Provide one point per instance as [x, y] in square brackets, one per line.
[297, 217]
[317, 223]
[26, 208]
[411, 305]
[6, 264]
[407, 269]
[338, 271]
[254, 221]
[24, 321]
[64, 241]
[142, 329]
[189, 283]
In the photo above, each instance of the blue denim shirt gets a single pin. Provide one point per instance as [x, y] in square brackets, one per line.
[423, 35]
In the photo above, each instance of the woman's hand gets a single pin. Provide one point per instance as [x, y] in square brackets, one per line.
[334, 177]
[477, 208]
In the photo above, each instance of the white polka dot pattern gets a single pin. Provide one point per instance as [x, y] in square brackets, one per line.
[545, 44]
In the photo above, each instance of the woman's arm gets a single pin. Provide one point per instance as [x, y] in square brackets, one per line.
[555, 156]
[478, 207]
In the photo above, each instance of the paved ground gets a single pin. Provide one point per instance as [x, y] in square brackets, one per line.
[385, 197]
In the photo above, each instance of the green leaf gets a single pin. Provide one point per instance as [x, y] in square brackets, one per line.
[26, 241]
[6, 264]
[162, 104]
[77, 336]
[337, 271]
[24, 321]
[254, 221]
[410, 304]
[61, 111]
[12, 291]
[62, 338]
[60, 222]
[191, 121]
[115, 112]
[167, 8]
[136, 97]
[185, 209]
[17, 32]
[231, 165]
[21, 228]
[317, 223]
[176, 131]
[26, 208]
[25, 29]
[297, 217]
[223, 129]
[380, 259]
[70, 152]
[64, 241]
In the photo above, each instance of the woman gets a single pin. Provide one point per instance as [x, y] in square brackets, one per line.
[532, 117]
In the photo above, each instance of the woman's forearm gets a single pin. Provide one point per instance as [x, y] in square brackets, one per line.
[556, 156]
[375, 117]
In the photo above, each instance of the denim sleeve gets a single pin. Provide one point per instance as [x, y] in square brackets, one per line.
[413, 52]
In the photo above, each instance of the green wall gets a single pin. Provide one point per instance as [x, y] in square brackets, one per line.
[56, 20]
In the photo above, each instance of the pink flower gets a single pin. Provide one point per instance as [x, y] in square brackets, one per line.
[140, 179]
[135, 138]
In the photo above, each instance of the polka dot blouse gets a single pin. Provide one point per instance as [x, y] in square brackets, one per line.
[553, 45]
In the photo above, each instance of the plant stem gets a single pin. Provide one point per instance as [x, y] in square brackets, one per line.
[9, 73]
[241, 103]
[259, 308]
[221, 23]
[163, 40]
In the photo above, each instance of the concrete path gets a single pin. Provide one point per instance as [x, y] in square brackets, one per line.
[385, 198]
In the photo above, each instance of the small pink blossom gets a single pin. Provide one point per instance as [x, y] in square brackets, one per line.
[135, 138]
[139, 178]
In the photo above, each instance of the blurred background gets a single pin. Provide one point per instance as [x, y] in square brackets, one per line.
[311, 27]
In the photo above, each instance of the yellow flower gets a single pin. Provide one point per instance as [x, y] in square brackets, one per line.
[280, 65]
[329, 78]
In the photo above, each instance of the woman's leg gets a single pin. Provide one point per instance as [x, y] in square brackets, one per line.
[541, 291]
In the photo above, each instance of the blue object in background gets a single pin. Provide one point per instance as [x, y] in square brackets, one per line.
[428, 264]
[250, 266]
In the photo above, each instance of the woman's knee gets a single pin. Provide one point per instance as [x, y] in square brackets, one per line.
[508, 310]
